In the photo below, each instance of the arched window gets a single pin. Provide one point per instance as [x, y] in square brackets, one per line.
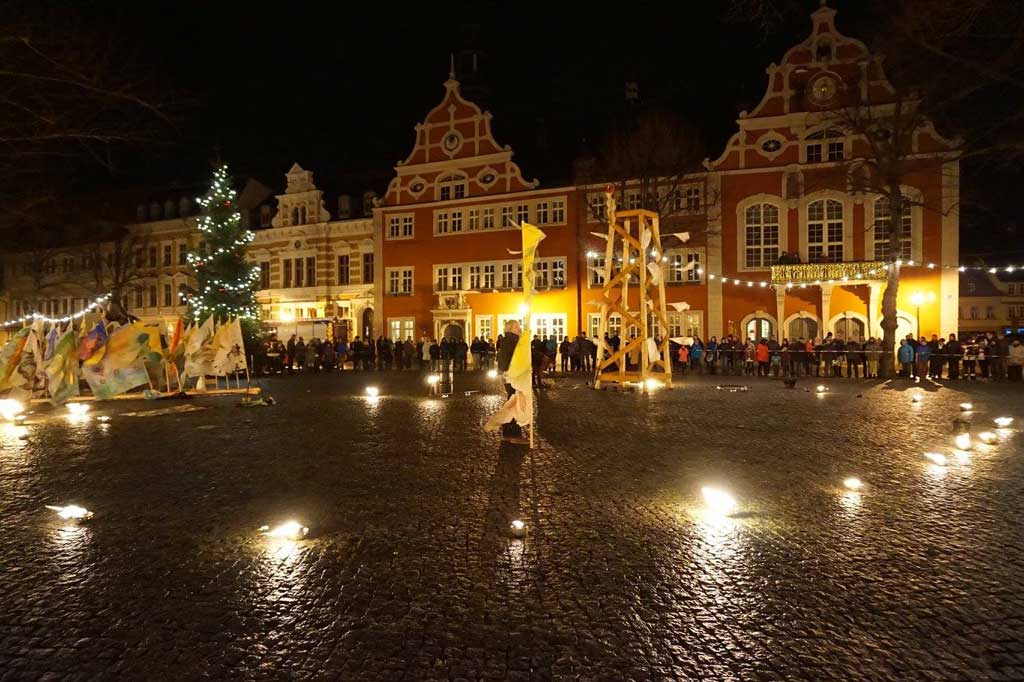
[295, 216]
[885, 249]
[849, 329]
[302, 215]
[759, 328]
[825, 231]
[823, 51]
[803, 328]
[825, 145]
[761, 235]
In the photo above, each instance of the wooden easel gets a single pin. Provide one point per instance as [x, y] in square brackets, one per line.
[626, 241]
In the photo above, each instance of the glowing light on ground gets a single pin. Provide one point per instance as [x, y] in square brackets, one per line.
[936, 458]
[987, 437]
[289, 530]
[71, 512]
[853, 483]
[718, 500]
[372, 391]
[966, 407]
[963, 441]
[1003, 422]
[78, 409]
[104, 419]
[821, 388]
[652, 384]
[915, 398]
[432, 380]
[492, 374]
[10, 409]
[518, 528]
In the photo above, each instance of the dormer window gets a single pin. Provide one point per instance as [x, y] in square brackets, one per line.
[451, 187]
[823, 51]
[825, 145]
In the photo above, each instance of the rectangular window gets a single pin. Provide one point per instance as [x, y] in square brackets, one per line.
[394, 227]
[558, 274]
[543, 213]
[442, 222]
[508, 275]
[138, 297]
[523, 213]
[507, 216]
[488, 222]
[835, 151]
[182, 293]
[474, 219]
[456, 221]
[558, 211]
[152, 256]
[593, 324]
[693, 198]
[182, 254]
[265, 216]
[595, 264]
[446, 192]
[401, 328]
[407, 226]
[168, 253]
[299, 273]
[541, 277]
[394, 281]
[761, 244]
[287, 279]
[882, 223]
[168, 296]
[614, 325]
[442, 279]
[64, 307]
[488, 282]
[455, 281]
[484, 327]
[813, 153]
[549, 326]
[367, 268]
[407, 281]
[152, 296]
[474, 277]
[264, 275]
[459, 190]
[598, 206]
[343, 269]
[825, 232]
[311, 271]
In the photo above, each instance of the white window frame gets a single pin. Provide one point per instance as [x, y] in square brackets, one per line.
[826, 222]
[847, 203]
[401, 226]
[677, 259]
[400, 280]
[916, 212]
[485, 327]
[490, 274]
[557, 212]
[594, 278]
[741, 239]
[406, 328]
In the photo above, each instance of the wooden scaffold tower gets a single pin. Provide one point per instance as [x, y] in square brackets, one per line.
[633, 255]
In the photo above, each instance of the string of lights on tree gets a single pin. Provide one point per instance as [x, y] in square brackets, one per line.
[225, 281]
[39, 317]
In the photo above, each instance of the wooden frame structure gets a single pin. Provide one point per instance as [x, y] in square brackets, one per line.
[634, 243]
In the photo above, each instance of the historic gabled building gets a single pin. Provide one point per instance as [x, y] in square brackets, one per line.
[776, 245]
[448, 226]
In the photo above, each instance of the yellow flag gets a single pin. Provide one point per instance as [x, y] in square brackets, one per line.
[532, 237]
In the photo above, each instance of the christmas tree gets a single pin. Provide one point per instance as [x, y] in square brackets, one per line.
[225, 281]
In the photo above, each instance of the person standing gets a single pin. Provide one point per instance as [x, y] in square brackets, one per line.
[998, 352]
[763, 357]
[905, 356]
[564, 351]
[510, 431]
[924, 354]
[953, 353]
[1015, 361]
[290, 360]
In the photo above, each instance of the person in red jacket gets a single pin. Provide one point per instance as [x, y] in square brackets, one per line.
[762, 358]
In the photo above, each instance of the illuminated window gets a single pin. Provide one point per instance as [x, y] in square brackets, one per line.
[761, 231]
[825, 231]
[884, 248]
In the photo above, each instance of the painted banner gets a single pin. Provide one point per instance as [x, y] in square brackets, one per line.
[62, 368]
[119, 365]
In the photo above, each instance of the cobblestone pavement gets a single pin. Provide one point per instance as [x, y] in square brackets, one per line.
[410, 571]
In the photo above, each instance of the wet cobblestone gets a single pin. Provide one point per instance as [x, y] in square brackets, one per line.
[410, 572]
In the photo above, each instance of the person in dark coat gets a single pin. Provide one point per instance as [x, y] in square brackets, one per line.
[954, 351]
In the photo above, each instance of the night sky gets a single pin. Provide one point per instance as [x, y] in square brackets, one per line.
[339, 90]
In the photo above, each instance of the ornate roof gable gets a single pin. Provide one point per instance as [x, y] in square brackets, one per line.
[455, 143]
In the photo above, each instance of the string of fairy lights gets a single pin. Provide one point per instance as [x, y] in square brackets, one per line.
[39, 317]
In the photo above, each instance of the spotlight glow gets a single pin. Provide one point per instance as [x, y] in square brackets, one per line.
[10, 409]
[103, 418]
[718, 500]
[78, 409]
[821, 388]
[432, 380]
[966, 407]
[492, 374]
[372, 391]
[289, 530]
[853, 483]
[1003, 422]
[518, 528]
[71, 512]
[652, 384]
[987, 437]
[963, 441]
[936, 458]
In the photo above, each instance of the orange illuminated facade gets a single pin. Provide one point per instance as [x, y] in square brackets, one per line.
[447, 225]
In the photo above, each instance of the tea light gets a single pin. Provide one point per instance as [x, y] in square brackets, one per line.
[853, 483]
[966, 407]
[492, 374]
[104, 418]
[10, 409]
[289, 530]
[432, 380]
[821, 388]
[963, 441]
[1003, 422]
[936, 458]
[71, 512]
[915, 398]
[372, 391]
[78, 409]
[987, 437]
[518, 528]
[718, 500]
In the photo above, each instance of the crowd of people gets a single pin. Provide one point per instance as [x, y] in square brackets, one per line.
[983, 356]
